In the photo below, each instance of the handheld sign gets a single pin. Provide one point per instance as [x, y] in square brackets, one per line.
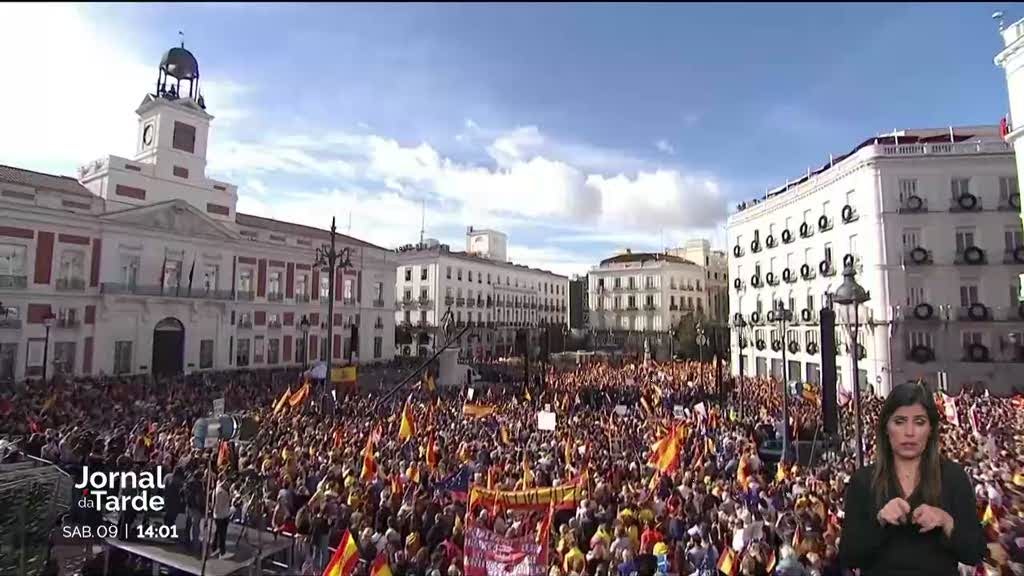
[218, 407]
[546, 420]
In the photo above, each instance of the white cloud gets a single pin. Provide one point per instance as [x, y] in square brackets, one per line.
[551, 259]
[71, 88]
[665, 147]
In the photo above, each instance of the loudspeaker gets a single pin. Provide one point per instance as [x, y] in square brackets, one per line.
[829, 401]
[354, 342]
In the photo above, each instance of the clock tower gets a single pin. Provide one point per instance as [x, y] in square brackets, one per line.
[173, 122]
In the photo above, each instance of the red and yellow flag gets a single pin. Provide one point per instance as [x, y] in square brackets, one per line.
[727, 562]
[568, 452]
[369, 462]
[527, 475]
[223, 455]
[282, 400]
[989, 516]
[504, 436]
[345, 559]
[407, 427]
[300, 395]
[665, 452]
[380, 566]
[432, 458]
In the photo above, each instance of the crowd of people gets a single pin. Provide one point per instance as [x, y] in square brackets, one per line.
[304, 473]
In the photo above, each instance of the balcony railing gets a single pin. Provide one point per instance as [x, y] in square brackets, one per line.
[422, 324]
[470, 303]
[425, 302]
[650, 307]
[448, 300]
[11, 282]
[10, 323]
[378, 326]
[673, 307]
[275, 296]
[243, 295]
[379, 303]
[301, 298]
[348, 301]
[245, 323]
[460, 302]
[67, 322]
[276, 324]
[118, 288]
[71, 284]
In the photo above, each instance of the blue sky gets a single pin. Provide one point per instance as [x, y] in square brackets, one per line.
[577, 129]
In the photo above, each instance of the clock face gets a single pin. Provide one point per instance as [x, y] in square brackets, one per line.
[147, 134]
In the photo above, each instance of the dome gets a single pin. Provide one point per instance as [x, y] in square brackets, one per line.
[180, 63]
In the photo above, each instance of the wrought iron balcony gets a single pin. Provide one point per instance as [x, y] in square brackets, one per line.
[448, 300]
[12, 282]
[274, 324]
[245, 323]
[243, 295]
[70, 284]
[118, 288]
[275, 296]
[425, 302]
[379, 303]
[10, 323]
[301, 298]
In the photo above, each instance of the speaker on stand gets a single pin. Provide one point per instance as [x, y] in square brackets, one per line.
[829, 395]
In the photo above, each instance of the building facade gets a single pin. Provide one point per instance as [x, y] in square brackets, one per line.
[928, 220]
[494, 297]
[716, 275]
[143, 265]
[1011, 59]
[644, 292]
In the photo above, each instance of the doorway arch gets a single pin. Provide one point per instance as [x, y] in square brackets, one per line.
[168, 347]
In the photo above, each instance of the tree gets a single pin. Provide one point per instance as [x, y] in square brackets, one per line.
[686, 334]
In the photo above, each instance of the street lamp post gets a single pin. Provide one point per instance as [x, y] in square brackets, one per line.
[782, 316]
[329, 259]
[849, 293]
[740, 325]
[304, 330]
[48, 321]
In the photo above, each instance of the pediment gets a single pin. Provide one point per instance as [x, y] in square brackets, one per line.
[176, 217]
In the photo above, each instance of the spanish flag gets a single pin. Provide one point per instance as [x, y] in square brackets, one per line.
[282, 400]
[490, 477]
[300, 396]
[780, 472]
[504, 436]
[568, 452]
[413, 473]
[49, 403]
[727, 563]
[432, 458]
[223, 455]
[477, 410]
[527, 475]
[345, 558]
[380, 566]
[369, 463]
[407, 428]
[526, 393]
[989, 517]
[665, 452]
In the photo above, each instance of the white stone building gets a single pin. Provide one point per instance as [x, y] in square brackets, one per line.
[145, 266]
[1011, 59]
[716, 275]
[928, 217]
[644, 292]
[481, 288]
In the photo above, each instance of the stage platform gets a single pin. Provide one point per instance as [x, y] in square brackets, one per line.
[238, 560]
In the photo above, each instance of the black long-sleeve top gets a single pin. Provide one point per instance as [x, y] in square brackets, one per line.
[902, 550]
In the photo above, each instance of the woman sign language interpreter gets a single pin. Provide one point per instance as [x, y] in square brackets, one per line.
[912, 512]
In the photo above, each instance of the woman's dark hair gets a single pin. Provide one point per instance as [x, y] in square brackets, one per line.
[884, 481]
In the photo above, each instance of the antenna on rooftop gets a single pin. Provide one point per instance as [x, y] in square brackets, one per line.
[423, 218]
[181, 36]
[998, 16]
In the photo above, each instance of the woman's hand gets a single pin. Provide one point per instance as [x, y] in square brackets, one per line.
[894, 512]
[930, 518]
